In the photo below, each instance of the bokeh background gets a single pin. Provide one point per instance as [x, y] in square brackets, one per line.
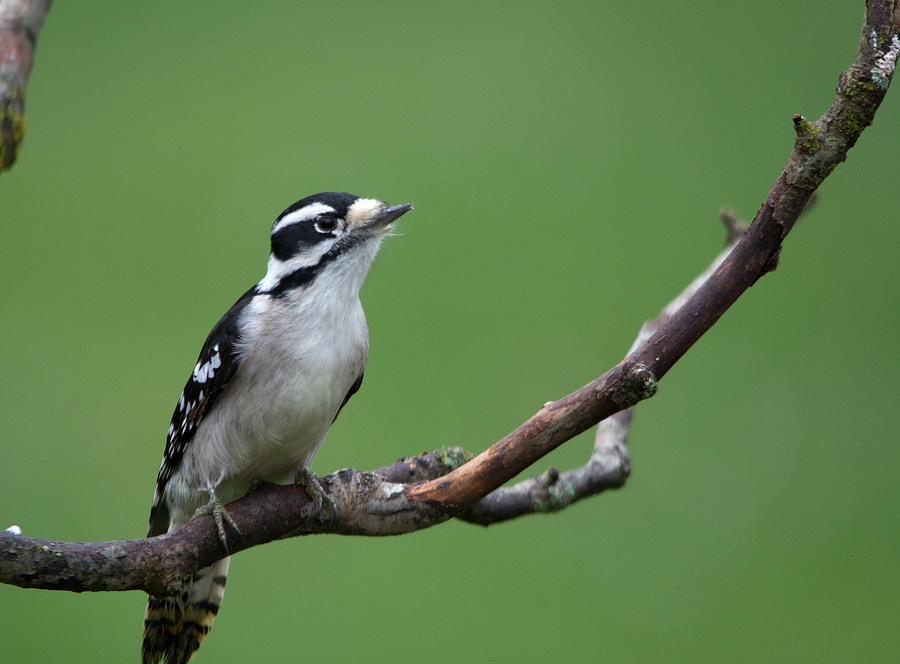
[567, 161]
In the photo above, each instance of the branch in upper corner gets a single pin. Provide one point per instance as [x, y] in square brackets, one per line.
[20, 22]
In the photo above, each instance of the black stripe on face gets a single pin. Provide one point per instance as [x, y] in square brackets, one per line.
[295, 238]
[304, 275]
[298, 278]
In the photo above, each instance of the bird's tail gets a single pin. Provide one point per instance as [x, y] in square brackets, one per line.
[174, 627]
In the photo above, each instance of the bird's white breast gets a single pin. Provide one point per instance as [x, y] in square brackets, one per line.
[299, 357]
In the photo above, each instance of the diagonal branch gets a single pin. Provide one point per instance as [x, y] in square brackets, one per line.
[609, 465]
[818, 149]
[386, 502]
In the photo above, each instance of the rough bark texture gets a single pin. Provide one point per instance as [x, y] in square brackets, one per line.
[419, 492]
[20, 22]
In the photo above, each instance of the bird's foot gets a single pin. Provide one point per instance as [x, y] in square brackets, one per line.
[217, 510]
[318, 498]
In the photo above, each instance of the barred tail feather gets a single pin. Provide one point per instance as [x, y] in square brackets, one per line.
[174, 627]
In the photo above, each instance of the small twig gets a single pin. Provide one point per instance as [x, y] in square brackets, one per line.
[734, 225]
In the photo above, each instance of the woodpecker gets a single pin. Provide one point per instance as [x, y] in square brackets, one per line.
[271, 378]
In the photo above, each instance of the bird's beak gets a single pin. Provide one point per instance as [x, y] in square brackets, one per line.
[389, 214]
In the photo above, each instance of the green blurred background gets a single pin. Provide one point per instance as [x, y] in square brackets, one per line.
[567, 162]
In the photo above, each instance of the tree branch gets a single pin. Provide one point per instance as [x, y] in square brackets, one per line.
[387, 501]
[20, 22]
[818, 149]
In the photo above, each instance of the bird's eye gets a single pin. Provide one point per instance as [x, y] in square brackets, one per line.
[326, 224]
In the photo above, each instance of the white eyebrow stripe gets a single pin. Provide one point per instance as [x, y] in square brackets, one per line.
[303, 214]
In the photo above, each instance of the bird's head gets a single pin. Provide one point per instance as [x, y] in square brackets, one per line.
[323, 230]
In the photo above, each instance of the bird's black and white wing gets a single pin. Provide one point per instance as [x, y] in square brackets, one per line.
[216, 366]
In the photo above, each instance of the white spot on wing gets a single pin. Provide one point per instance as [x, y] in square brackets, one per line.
[206, 371]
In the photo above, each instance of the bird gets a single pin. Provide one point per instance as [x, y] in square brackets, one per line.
[270, 380]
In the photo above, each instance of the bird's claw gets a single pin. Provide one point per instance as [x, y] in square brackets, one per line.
[318, 498]
[217, 510]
